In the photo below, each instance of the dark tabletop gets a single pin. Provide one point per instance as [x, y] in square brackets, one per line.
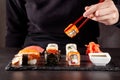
[7, 54]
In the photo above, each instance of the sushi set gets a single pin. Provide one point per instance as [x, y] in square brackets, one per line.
[37, 58]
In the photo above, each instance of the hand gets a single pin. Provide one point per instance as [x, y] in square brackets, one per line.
[104, 12]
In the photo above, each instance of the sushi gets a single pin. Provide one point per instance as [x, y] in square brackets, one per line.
[52, 54]
[72, 54]
[71, 30]
[27, 56]
[70, 47]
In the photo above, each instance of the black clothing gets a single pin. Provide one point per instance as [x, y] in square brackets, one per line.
[117, 2]
[39, 22]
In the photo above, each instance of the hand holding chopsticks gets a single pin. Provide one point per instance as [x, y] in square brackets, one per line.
[72, 30]
[105, 12]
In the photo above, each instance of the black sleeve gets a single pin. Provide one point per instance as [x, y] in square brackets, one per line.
[16, 23]
[117, 3]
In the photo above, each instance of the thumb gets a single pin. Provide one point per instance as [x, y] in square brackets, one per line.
[90, 10]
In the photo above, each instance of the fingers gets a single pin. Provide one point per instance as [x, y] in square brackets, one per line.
[93, 8]
[90, 10]
[105, 12]
[105, 17]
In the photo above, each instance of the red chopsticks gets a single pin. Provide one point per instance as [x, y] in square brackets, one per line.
[79, 19]
[72, 30]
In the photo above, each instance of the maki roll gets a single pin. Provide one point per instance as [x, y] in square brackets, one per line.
[72, 54]
[27, 56]
[52, 54]
[69, 47]
[71, 30]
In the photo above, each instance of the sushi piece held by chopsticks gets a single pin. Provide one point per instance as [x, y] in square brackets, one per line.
[72, 30]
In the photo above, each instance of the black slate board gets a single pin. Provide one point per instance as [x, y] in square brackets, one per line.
[85, 65]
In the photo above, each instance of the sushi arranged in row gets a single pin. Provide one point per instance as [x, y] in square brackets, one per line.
[31, 55]
[27, 56]
[52, 54]
[72, 54]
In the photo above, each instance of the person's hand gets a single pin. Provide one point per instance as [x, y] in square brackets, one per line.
[104, 12]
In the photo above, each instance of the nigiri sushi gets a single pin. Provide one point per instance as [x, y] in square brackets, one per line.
[52, 54]
[27, 56]
[72, 54]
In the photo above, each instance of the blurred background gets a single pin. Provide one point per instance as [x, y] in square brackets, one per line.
[2, 23]
[109, 35]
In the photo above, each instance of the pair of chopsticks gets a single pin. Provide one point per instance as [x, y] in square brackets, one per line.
[80, 18]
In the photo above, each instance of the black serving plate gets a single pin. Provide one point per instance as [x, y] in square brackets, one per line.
[85, 65]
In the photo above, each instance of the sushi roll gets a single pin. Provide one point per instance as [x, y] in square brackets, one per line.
[52, 48]
[52, 54]
[27, 56]
[70, 47]
[72, 54]
[71, 30]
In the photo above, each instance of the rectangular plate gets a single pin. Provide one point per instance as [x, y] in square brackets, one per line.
[85, 65]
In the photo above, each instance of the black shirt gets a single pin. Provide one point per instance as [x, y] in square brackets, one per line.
[39, 22]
